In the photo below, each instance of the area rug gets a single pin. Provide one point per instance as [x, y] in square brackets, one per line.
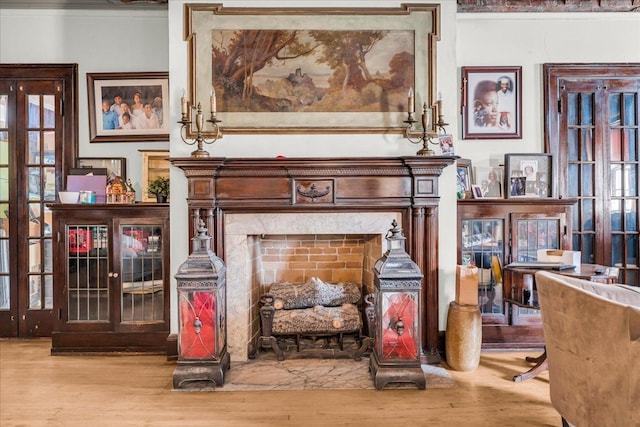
[316, 374]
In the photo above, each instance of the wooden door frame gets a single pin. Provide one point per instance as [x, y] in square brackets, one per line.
[14, 321]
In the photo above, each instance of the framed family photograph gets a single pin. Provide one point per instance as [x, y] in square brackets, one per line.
[128, 107]
[528, 175]
[464, 178]
[489, 180]
[446, 144]
[491, 102]
[282, 70]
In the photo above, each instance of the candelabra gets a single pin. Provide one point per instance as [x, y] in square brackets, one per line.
[426, 135]
[200, 138]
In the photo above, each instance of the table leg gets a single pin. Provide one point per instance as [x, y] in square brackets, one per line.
[541, 365]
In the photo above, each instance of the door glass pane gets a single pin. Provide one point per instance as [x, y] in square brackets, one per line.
[573, 183]
[87, 273]
[5, 292]
[142, 297]
[586, 113]
[616, 215]
[615, 144]
[33, 114]
[632, 251]
[587, 179]
[35, 256]
[587, 215]
[629, 109]
[631, 215]
[49, 184]
[4, 111]
[630, 145]
[631, 176]
[33, 187]
[4, 183]
[49, 147]
[572, 145]
[614, 109]
[48, 291]
[4, 148]
[616, 180]
[587, 145]
[35, 293]
[33, 156]
[572, 109]
[49, 111]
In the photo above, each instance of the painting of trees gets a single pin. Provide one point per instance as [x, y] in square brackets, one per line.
[315, 70]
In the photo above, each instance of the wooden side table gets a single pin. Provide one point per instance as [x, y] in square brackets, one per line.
[515, 290]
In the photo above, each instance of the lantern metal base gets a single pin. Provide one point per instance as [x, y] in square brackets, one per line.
[200, 375]
[384, 374]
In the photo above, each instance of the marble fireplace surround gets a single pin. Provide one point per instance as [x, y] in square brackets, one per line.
[241, 231]
[235, 197]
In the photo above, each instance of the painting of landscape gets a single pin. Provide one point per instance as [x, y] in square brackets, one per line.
[312, 71]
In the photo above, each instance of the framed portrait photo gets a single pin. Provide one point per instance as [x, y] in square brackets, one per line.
[128, 107]
[476, 191]
[490, 180]
[115, 165]
[464, 178]
[446, 144]
[282, 70]
[491, 102]
[528, 175]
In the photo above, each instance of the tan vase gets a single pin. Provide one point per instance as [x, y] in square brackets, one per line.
[463, 337]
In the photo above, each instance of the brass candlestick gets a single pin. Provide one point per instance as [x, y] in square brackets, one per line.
[200, 139]
[426, 135]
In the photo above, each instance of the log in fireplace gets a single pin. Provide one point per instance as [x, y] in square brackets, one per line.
[404, 186]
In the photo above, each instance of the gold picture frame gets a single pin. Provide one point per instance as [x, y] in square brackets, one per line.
[155, 163]
[204, 21]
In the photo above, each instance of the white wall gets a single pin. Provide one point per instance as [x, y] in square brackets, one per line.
[98, 41]
[529, 40]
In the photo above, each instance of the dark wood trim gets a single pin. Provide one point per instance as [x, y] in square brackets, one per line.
[408, 185]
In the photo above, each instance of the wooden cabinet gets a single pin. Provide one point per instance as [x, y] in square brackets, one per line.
[495, 232]
[111, 278]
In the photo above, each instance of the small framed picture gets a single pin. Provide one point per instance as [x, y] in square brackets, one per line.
[528, 175]
[446, 144]
[490, 181]
[477, 192]
[491, 102]
[464, 178]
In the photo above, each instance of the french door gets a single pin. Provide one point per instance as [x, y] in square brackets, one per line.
[592, 128]
[38, 142]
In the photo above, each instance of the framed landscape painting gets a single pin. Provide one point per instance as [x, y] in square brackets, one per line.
[128, 107]
[313, 69]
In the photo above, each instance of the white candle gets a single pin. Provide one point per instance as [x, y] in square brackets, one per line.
[410, 106]
[183, 103]
[213, 101]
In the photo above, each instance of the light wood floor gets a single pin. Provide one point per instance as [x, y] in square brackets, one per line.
[37, 389]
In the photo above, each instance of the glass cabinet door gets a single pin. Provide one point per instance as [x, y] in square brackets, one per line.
[88, 273]
[483, 247]
[532, 232]
[142, 273]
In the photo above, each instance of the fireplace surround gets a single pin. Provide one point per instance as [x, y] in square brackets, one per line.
[238, 197]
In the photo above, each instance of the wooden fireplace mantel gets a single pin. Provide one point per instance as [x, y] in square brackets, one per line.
[409, 185]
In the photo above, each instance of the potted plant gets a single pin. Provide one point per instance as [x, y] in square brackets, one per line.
[160, 187]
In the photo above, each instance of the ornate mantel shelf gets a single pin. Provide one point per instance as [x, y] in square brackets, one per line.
[408, 185]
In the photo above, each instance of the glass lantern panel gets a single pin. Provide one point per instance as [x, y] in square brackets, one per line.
[400, 317]
[197, 333]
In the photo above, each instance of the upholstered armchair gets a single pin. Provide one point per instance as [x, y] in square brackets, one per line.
[592, 338]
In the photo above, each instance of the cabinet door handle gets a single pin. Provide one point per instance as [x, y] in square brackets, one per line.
[115, 275]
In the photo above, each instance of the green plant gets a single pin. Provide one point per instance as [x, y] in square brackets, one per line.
[159, 185]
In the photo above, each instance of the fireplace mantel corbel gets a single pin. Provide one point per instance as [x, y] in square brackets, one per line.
[408, 185]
